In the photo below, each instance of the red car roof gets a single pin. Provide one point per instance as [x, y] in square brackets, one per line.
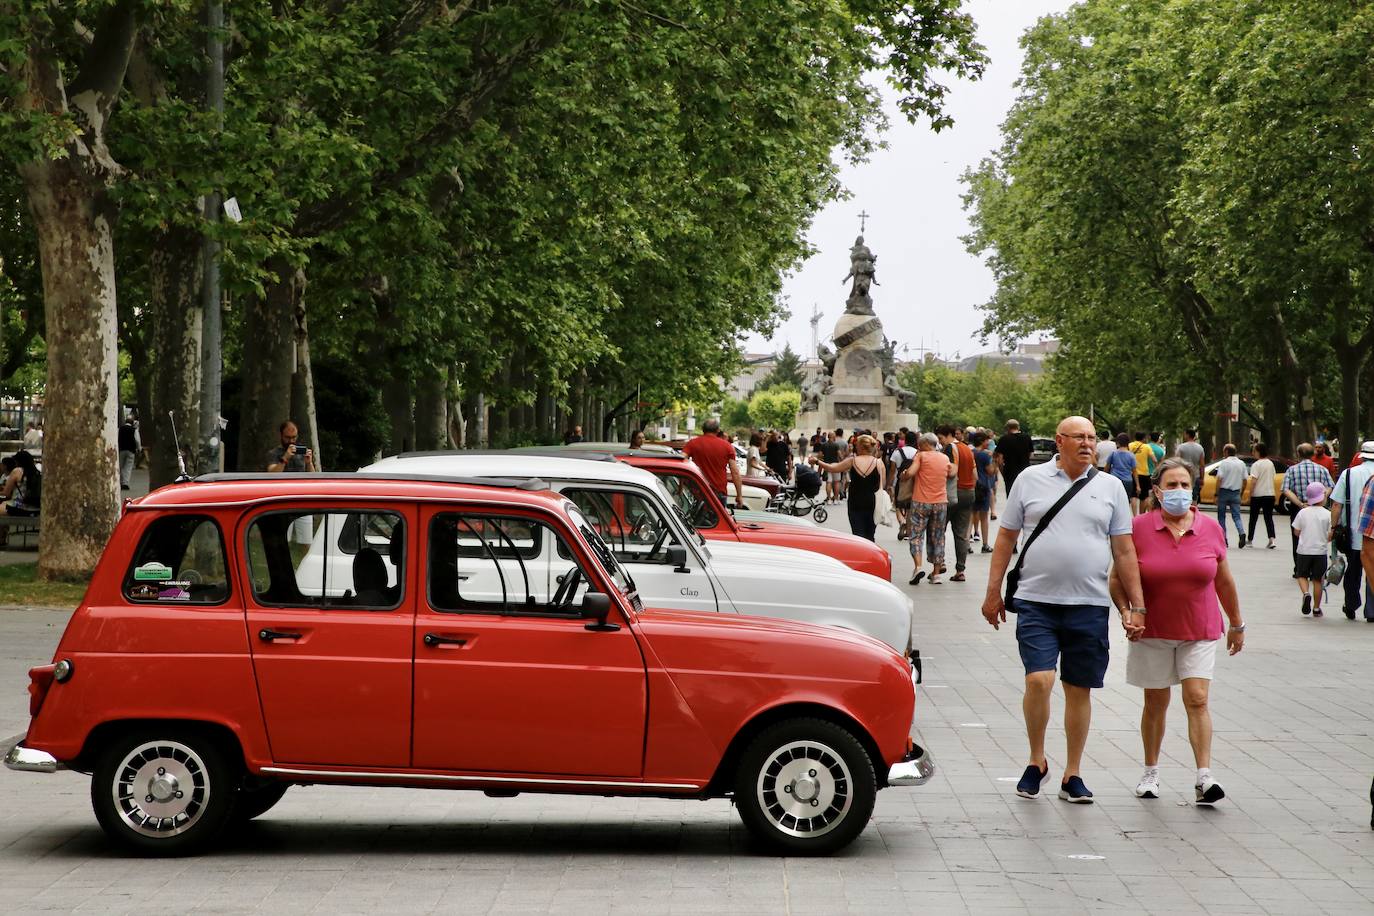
[239, 489]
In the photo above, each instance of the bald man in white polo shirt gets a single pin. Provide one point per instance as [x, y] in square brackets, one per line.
[1061, 602]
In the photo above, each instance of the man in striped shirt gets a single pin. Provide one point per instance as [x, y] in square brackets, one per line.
[1295, 481]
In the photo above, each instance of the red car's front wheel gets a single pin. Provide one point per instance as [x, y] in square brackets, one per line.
[805, 787]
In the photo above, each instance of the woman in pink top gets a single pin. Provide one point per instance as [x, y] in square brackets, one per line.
[1187, 582]
[929, 506]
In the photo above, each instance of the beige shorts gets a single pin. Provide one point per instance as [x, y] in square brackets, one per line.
[1158, 663]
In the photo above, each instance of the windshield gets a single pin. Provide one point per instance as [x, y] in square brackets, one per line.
[689, 502]
[685, 506]
[618, 573]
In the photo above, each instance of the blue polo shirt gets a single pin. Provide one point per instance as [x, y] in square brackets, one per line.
[1070, 561]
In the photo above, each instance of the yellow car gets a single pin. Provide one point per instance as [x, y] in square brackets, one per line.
[1209, 482]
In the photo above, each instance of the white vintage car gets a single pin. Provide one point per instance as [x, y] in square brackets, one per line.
[672, 565]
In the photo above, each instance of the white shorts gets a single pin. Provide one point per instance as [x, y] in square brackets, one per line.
[1159, 663]
[835, 476]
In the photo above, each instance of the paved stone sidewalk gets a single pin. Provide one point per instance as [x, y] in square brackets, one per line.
[1293, 748]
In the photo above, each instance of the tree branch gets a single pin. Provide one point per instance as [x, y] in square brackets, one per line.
[102, 70]
[490, 83]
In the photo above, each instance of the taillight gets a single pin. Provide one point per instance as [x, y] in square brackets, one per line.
[40, 679]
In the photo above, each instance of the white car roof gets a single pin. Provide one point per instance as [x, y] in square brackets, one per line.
[515, 464]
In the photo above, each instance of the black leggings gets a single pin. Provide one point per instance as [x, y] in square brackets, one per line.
[861, 520]
[1262, 504]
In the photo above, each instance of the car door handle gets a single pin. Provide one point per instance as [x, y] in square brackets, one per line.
[269, 635]
[435, 639]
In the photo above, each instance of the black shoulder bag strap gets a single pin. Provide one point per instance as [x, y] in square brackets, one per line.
[1014, 577]
[1344, 537]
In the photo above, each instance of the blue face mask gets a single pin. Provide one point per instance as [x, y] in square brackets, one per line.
[1176, 502]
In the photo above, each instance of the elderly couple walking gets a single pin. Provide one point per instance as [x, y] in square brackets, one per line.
[1165, 571]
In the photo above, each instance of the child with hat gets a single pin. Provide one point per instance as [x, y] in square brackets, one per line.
[1312, 528]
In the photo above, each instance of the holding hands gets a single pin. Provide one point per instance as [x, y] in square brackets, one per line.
[1133, 622]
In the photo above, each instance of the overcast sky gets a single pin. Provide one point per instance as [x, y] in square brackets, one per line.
[929, 286]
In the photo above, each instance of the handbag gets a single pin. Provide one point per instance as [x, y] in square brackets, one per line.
[882, 509]
[1340, 536]
[1335, 570]
[1014, 576]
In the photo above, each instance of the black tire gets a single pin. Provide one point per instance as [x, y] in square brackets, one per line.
[252, 803]
[805, 764]
[134, 770]
[820, 515]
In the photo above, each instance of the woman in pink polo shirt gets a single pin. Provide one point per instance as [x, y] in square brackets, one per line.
[1187, 583]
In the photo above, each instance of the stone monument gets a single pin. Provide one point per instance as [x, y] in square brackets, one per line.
[857, 387]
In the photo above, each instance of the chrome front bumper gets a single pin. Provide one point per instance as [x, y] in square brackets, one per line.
[914, 770]
[26, 759]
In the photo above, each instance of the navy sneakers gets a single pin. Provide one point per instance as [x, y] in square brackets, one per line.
[1073, 790]
[1029, 786]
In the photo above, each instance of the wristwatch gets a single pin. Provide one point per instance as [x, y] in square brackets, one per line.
[1238, 629]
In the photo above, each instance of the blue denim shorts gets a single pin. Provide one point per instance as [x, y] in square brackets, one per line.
[1072, 637]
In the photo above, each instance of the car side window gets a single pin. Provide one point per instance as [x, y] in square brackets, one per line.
[630, 524]
[180, 559]
[334, 559]
[492, 564]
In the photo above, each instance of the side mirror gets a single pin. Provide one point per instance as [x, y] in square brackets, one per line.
[596, 607]
[677, 558]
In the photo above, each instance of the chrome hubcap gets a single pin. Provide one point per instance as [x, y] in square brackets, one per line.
[804, 789]
[160, 788]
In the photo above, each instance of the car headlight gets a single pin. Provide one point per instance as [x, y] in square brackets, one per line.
[62, 671]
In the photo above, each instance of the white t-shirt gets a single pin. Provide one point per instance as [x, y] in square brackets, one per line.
[752, 465]
[1262, 472]
[1313, 526]
[1104, 452]
[902, 457]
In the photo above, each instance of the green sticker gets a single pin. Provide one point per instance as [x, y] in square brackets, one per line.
[153, 572]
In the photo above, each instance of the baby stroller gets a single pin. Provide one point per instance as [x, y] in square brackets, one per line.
[799, 498]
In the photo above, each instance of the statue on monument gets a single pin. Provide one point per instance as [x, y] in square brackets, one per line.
[862, 263]
[827, 357]
[815, 390]
[906, 400]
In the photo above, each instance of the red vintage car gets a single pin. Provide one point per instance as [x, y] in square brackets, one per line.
[704, 510]
[244, 633]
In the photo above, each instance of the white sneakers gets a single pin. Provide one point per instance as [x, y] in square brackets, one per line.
[1207, 792]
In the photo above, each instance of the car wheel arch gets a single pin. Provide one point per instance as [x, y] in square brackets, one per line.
[222, 735]
[724, 776]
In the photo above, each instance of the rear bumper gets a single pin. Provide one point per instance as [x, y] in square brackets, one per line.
[915, 769]
[26, 759]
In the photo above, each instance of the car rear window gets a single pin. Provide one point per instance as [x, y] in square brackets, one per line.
[180, 560]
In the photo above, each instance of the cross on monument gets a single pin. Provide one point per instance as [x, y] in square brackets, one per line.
[863, 220]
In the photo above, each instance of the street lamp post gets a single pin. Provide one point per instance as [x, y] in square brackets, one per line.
[212, 324]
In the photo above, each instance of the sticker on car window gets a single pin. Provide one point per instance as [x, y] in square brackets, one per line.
[152, 572]
[174, 591]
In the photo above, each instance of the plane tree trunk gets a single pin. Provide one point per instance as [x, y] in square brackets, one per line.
[73, 214]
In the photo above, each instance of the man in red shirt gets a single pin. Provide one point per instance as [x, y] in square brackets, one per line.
[716, 458]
